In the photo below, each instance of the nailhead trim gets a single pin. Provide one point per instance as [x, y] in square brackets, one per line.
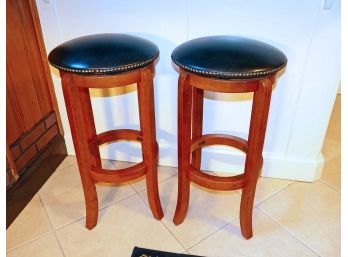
[108, 70]
[243, 75]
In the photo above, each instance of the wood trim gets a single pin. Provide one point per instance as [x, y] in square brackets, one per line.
[10, 92]
[34, 56]
[13, 167]
[40, 41]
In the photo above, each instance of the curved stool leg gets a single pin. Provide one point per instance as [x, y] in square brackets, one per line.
[184, 144]
[197, 123]
[253, 164]
[246, 209]
[83, 129]
[149, 144]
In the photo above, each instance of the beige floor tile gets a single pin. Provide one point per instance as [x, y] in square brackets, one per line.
[107, 164]
[269, 240]
[63, 196]
[120, 227]
[43, 247]
[266, 187]
[269, 186]
[332, 172]
[121, 164]
[163, 174]
[71, 161]
[208, 211]
[31, 223]
[310, 211]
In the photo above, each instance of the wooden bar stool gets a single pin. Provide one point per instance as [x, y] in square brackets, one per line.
[229, 65]
[105, 61]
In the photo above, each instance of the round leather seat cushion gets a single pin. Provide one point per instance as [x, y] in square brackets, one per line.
[229, 57]
[103, 53]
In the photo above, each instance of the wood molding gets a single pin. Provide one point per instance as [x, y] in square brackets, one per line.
[40, 42]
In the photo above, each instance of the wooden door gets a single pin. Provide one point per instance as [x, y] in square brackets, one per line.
[32, 118]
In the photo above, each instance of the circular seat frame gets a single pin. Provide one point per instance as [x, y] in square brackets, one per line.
[191, 141]
[87, 142]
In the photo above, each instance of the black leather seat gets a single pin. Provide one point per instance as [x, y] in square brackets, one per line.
[229, 57]
[103, 53]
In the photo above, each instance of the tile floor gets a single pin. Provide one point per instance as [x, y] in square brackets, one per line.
[290, 218]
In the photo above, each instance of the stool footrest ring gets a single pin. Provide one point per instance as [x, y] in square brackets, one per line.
[215, 182]
[114, 135]
[118, 176]
[219, 139]
[119, 134]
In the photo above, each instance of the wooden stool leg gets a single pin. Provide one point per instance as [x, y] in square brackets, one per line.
[197, 123]
[253, 164]
[82, 127]
[184, 145]
[149, 144]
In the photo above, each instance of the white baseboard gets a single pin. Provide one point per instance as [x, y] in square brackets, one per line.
[217, 159]
[292, 167]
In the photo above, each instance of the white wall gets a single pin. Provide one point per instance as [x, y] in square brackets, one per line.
[307, 31]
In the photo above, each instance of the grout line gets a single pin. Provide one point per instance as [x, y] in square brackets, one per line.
[37, 237]
[290, 232]
[214, 232]
[328, 159]
[183, 247]
[51, 225]
[64, 167]
[84, 216]
[70, 165]
[29, 241]
[275, 192]
[117, 202]
[69, 223]
[101, 208]
[255, 207]
[331, 186]
[165, 179]
[110, 161]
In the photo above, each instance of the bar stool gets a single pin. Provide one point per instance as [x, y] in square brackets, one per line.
[105, 61]
[229, 65]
